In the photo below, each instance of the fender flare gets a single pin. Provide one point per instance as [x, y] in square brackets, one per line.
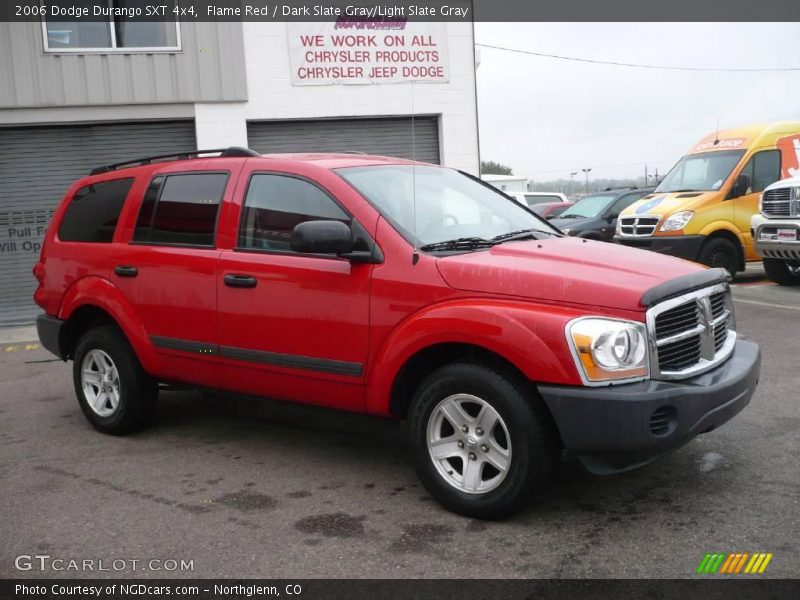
[714, 226]
[99, 292]
[493, 325]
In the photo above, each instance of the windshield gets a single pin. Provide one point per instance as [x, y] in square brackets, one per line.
[590, 206]
[448, 204]
[703, 172]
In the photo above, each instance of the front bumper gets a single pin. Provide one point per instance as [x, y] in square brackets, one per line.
[682, 246]
[616, 428]
[49, 330]
[770, 246]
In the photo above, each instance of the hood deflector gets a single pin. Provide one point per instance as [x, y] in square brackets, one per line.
[683, 285]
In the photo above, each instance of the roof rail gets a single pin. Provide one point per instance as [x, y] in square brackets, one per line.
[231, 152]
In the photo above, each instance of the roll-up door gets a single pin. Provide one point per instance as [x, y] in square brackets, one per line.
[387, 136]
[37, 165]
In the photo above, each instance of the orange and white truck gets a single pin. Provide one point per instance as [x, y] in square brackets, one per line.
[702, 209]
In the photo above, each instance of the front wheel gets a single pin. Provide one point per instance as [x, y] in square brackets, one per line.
[114, 392]
[720, 252]
[482, 445]
[782, 272]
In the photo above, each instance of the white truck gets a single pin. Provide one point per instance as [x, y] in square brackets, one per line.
[776, 231]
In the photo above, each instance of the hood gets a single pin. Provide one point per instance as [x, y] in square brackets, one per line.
[564, 270]
[665, 203]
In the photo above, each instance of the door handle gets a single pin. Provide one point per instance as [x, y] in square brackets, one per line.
[126, 271]
[240, 281]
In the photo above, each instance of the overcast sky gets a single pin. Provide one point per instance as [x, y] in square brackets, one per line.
[546, 117]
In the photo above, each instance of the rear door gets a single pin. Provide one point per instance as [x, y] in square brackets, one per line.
[167, 268]
[292, 326]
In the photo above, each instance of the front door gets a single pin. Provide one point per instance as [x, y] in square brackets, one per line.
[763, 168]
[292, 326]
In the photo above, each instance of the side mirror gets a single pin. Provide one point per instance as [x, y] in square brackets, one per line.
[741, 186]
[322, 237]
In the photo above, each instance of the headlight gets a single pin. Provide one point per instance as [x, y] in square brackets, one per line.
[677, 221]
[606, 350]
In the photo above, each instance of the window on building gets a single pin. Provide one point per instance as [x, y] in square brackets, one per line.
[181, 209]
[123, 27]
[763, 169]
[275, 204]
[93, 212]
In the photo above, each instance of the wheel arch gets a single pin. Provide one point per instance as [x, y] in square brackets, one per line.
[93, 301]
[486, 332]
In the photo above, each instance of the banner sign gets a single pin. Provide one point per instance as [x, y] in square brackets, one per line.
[360, 52]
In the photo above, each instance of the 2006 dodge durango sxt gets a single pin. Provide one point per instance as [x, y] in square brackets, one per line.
[394, 288]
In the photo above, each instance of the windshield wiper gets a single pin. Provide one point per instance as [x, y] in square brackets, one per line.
[520, 234]
[464, 243]
[573, 216]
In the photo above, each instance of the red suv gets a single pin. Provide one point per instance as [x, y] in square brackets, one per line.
[393, 288]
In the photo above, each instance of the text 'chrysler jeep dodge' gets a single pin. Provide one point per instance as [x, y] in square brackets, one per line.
[393, 288]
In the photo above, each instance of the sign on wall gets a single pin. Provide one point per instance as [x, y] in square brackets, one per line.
[346, 52]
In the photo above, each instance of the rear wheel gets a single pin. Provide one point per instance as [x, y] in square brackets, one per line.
[783, 272]
[481, 446]
[719, 252]
[114, 392]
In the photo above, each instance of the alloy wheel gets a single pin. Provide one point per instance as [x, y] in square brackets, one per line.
[469, 443]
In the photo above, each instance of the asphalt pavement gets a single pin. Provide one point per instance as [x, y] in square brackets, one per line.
[252, 488]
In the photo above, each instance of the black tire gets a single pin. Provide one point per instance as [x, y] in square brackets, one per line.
[138, 392]
[780, 272]
[534, 444]
[720, 252]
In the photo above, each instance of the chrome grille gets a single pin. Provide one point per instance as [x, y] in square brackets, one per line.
[691, 334]
[638, 226]
[777, 202]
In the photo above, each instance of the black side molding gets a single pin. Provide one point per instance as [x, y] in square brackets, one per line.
[682, 285]
[292, 361]
[183, 345]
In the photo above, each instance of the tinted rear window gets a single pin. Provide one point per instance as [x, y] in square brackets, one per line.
[181, 209]
[93, 213]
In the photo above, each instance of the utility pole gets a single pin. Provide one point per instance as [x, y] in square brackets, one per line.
[646, 176]
[571, 179]
[586, 174]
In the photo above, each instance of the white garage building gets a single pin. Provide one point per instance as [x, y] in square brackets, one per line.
[79, 95]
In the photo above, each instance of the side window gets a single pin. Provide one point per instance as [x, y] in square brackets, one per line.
[181, 209]
[623, 203]
[93, 212]
[766, 169]
[275, 204]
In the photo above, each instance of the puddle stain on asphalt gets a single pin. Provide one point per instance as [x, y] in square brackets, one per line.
[299, 494]
[421, 538]
[339, 525]
[246, 501]
[191, 508]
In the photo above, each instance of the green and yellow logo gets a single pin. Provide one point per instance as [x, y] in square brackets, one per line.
[735, 563]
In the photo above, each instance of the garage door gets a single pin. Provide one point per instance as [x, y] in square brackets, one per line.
[385, 136]
[37, 165]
